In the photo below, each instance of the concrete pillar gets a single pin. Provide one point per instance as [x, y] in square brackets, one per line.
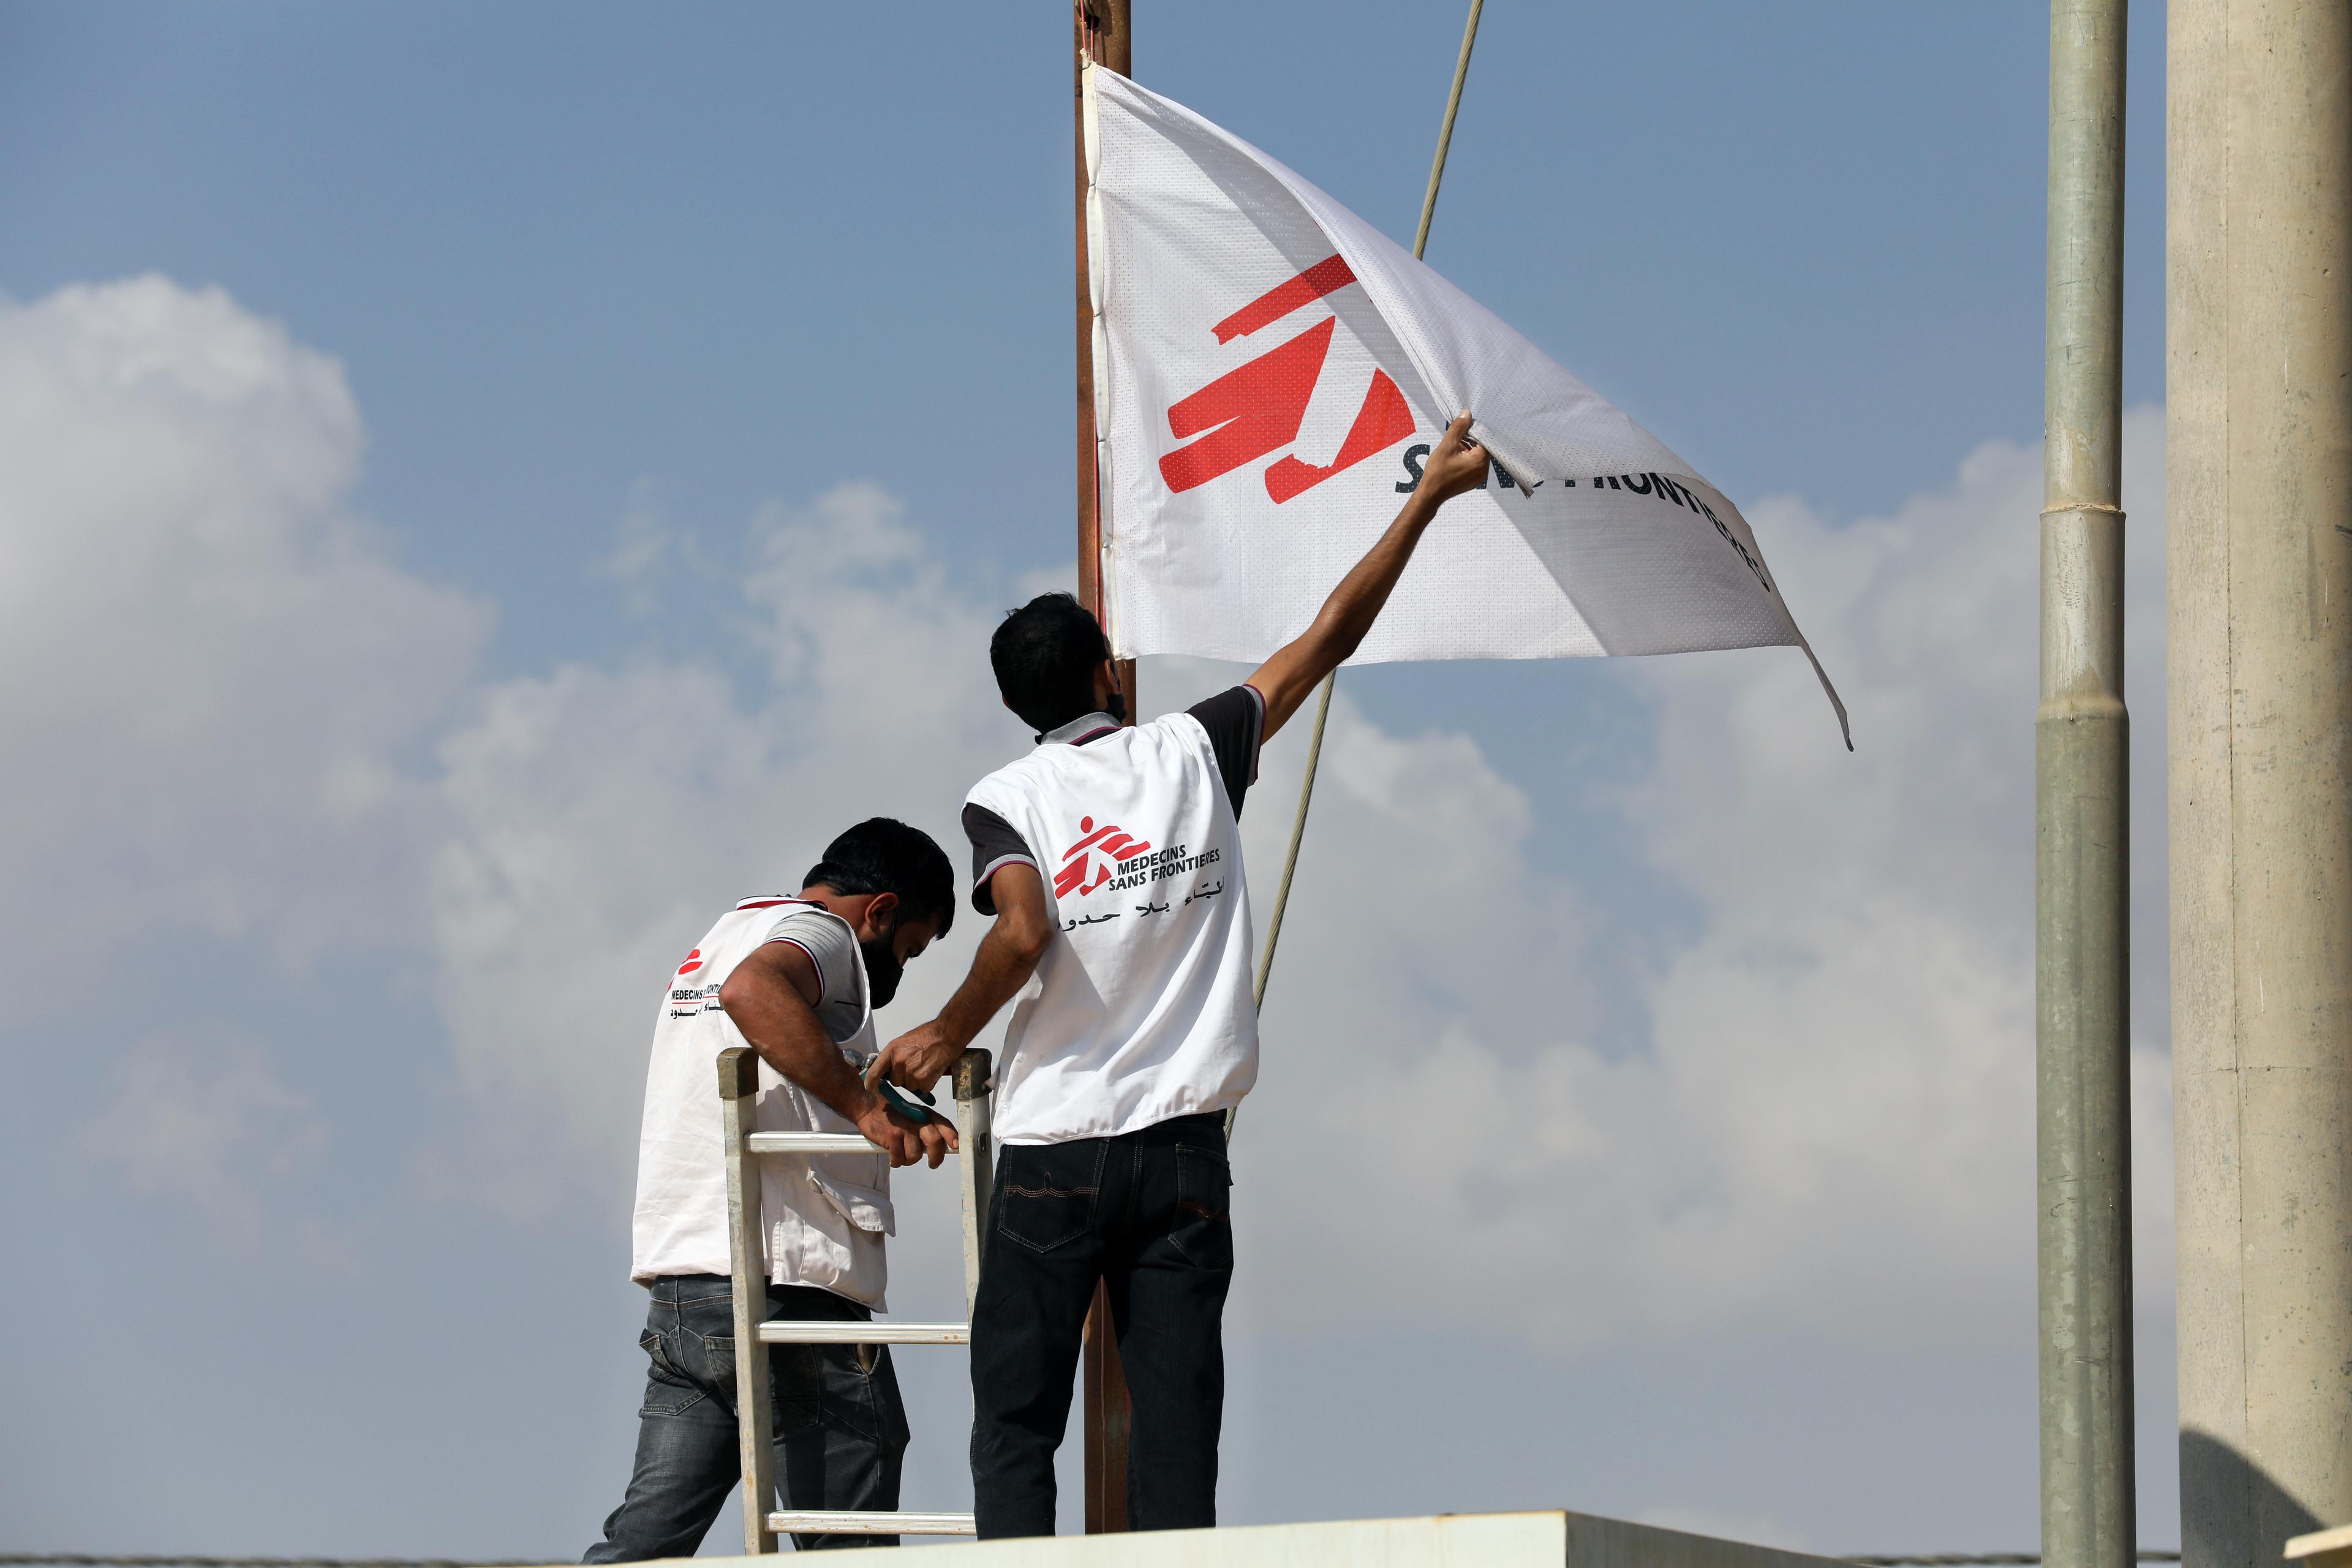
[2259, 452]
[2082, 821]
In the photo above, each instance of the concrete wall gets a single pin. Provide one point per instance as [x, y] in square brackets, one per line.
[1445, 1541]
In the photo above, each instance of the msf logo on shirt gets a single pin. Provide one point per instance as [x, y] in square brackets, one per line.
[1101, 852]
[1257, 409]
[688, 998]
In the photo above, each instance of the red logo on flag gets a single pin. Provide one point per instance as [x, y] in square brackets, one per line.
[1257, 408]
[1102, 851]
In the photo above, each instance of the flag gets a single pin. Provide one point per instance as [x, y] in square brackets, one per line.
[1270, 371]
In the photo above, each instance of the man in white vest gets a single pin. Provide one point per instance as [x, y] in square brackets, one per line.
[796, 978]
[1111, 858]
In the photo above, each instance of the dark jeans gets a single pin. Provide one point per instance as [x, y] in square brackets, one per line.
[1145, 1213]
[840, 1429]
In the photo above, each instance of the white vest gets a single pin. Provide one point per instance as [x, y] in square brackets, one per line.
[823, 1216]
[1141, 1009]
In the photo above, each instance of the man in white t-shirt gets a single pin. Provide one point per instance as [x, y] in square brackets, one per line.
[798, 980]
[1111, 857]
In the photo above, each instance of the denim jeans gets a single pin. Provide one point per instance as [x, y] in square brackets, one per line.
[840, 1429]
[1145, 1213]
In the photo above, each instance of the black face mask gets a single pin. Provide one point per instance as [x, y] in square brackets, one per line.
[1117, 706]
[883, 968]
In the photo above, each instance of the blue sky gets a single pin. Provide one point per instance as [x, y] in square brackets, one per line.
[747, 251]
[622, 299]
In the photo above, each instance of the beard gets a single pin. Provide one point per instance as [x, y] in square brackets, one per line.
[883, 968]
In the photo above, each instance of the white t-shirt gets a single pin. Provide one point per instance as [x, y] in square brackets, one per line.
[823, 1216]
[1141, 1009]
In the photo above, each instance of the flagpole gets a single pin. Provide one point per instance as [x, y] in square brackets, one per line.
[2081, 822]
[1100, 32]
[1323, 700]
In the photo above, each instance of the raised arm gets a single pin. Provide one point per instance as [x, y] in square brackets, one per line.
[1008, 956]
[772, 997]
[1339, 630]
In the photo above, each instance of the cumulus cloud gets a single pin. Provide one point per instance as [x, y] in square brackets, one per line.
[1831, 1125]
[603, 818]
[237, 713]
[206, 1123]
[213, 678]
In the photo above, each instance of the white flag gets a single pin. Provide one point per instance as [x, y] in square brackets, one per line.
[1269, 372]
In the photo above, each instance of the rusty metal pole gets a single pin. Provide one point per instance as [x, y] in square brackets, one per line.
[1099, 30]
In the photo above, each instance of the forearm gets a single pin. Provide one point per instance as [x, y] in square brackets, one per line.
[799, 1048]
[999, 970]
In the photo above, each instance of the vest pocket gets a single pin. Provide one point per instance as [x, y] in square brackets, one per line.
[862, 1207]
[1045, 1193]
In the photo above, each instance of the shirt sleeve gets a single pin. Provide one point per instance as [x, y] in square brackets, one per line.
[994, 845]
[827, 942]
[1235, 720]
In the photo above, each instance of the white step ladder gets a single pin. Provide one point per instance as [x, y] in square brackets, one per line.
[738, 1082]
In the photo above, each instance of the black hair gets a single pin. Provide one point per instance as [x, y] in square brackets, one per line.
[882, 855]
[1046, 654]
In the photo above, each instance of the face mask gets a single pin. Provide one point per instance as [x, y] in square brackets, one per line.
[1117, 706]
[883, 966]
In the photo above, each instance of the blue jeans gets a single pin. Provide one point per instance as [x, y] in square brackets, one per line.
[1145, 1213]
[840, 1428]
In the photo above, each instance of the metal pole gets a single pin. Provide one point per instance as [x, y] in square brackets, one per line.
[2082, 828]
[2258, 420]
[1100, 31]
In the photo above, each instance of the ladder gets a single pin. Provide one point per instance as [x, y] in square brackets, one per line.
[738, 1082]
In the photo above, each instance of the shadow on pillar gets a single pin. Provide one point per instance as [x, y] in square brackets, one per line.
[2232, 1515]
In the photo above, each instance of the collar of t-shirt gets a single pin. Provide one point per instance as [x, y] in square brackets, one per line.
[1078, 732]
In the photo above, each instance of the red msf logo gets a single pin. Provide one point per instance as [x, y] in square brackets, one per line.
[1250, 412]
[1103, 850]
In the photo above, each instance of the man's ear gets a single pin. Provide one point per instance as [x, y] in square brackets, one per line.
[881, 911]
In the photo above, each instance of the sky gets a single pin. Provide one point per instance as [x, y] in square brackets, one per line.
[482, 488]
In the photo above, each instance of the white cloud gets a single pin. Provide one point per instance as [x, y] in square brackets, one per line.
[644, 546]
[212, 675]
[1831, 1126]
[208, 1125]
[605, 818]
[222, 684]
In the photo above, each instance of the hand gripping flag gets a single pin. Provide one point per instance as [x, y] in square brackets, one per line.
[1269, 372]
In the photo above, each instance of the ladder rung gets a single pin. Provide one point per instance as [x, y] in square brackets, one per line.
[791, 1332]
[820, 1523]
[810, 1143]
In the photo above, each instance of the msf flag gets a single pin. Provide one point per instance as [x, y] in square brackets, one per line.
[1269, 372]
